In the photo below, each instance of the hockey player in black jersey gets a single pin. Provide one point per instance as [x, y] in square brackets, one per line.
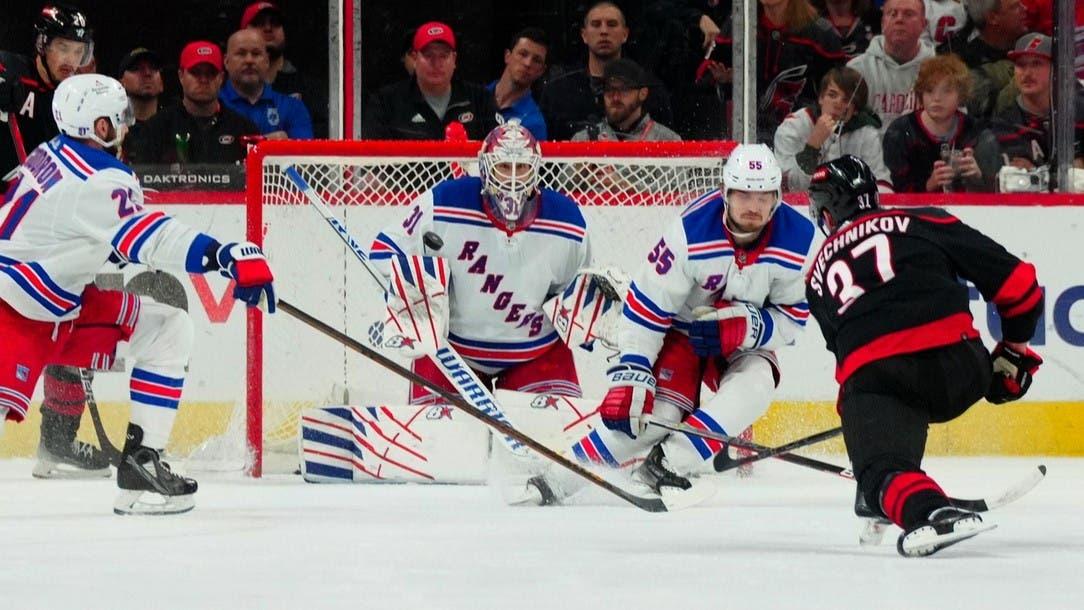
[63, 43]
[885, 288]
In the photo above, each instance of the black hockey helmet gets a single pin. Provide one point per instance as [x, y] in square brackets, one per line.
[839, 190]
[62, 21]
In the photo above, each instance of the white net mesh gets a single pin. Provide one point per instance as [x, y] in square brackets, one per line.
[628, 191]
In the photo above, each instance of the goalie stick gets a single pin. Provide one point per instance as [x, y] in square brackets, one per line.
[447, 359]
[980, 505]
[654, 505]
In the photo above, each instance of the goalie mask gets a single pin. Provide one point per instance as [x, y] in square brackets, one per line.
[82, 99]
[510, 161]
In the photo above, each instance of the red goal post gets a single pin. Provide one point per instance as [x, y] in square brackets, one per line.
[625, 188]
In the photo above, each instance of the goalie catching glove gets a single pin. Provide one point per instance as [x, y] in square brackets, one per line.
[1013, 371]
[244, 263]
[631, 397]
[589, 307]
[417, 301]
[726, 328]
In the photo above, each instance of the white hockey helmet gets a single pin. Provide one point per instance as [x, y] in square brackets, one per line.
[510, 162]
[752, 167]
[82, 99]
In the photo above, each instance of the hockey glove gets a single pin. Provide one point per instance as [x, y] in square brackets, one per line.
[630, 398]
[417, 299]
[244, 263]
[726, 328]
[1013, 371]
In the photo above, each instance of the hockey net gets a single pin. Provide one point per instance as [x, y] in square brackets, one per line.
[628, 191]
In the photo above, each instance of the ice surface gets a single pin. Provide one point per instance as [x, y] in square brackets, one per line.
[784, 538]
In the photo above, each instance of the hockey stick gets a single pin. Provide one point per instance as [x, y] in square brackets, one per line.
[980, 505]
[108, 448]
[781, 452]
[447, 359]
[654, 505]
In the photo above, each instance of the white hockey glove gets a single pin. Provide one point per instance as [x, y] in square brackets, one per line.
[588, 309]
[725, 328]
[417, 301]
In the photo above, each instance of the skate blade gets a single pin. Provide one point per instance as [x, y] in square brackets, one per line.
[930, 547]
[134, 502]
[679, 499]
[873, 531]
[54, 470]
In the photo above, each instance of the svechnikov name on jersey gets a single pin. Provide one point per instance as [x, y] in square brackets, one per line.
[850, 235]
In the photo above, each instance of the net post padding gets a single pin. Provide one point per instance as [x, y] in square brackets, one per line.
[368, 182]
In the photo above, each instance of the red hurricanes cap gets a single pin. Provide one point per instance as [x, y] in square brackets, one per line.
[201, 52]
[434, 31]
[255, 9]
[1038, 45]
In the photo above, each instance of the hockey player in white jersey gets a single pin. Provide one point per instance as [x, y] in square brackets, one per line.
[71, 207]
[720, 291]
[506, 245]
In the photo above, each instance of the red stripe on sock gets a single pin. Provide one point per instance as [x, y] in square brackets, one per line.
[902, 486]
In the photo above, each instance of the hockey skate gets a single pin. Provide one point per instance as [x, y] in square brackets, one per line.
[61, 456]
[147, 484]
[537, 491]
[676, 491]
[945, 527]
[874, 525]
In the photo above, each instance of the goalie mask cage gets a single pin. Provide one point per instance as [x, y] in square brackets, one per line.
[628, 191]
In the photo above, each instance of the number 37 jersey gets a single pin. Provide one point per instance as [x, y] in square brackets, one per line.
[888, 283]
[68, 210]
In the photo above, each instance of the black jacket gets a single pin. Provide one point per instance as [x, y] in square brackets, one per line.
[924, 305]
[175, 136]
[573, 101]
[910, 152]
[35, 120]
[400, 112]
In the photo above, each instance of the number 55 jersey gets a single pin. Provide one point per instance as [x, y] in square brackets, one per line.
[697, 264]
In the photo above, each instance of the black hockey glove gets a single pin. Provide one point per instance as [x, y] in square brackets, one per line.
[12, 92]
[1013, 371]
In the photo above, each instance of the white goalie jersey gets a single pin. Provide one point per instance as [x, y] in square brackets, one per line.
[68, 210]
[499, 280]
[695, 264]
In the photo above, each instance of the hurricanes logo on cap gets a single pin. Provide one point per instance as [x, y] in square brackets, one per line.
[203, 51]
[820, 174]
[433, 31]
[1034, 44]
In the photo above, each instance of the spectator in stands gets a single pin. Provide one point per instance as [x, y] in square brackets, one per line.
[937, 147]
[943, 19]
[625, 89]
[795, 49]
[856, 22]
[890, 64]
[282, 74]
[839, 124]
[141, 75]
[571, 101]
[199, 129]
[1024, 130]
[420, 108]
[247, 93]
[995, 26]
[524, 63]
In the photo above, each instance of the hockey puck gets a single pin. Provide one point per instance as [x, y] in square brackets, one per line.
[432, 241]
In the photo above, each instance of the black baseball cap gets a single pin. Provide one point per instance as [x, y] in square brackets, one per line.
[135, 56]
[624, 74]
